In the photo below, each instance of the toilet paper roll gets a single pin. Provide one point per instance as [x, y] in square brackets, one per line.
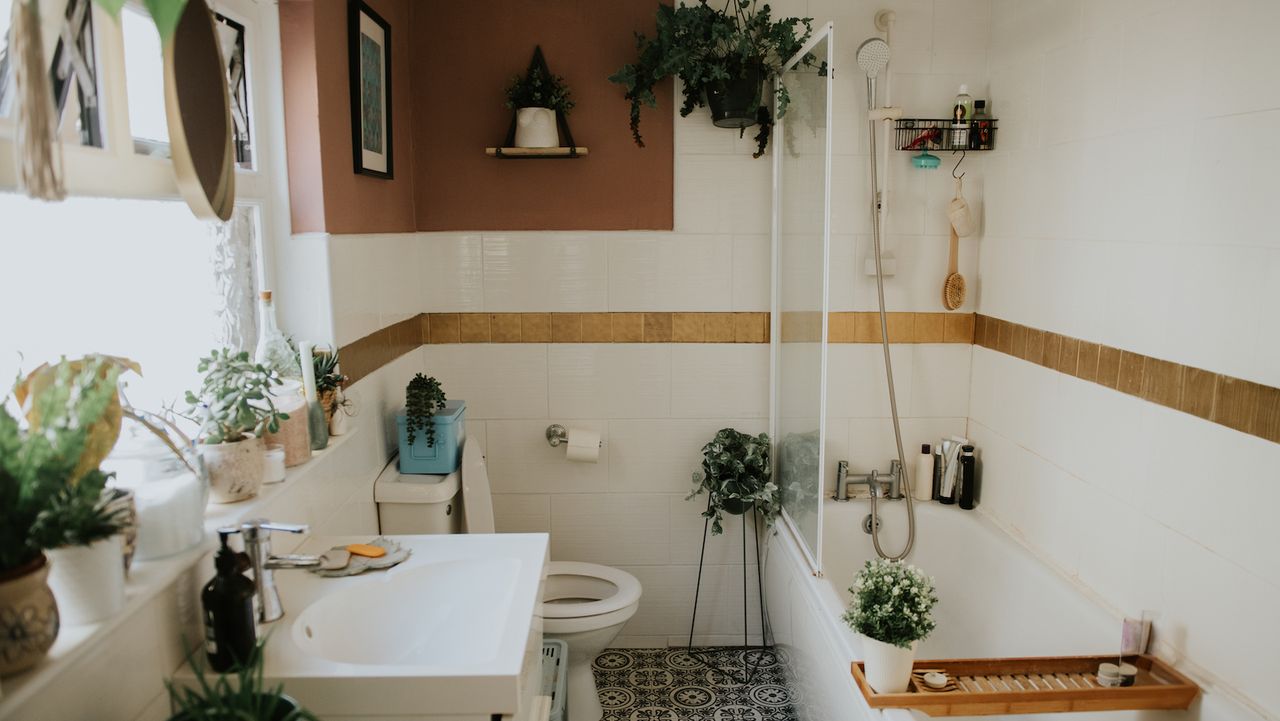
[584, 445]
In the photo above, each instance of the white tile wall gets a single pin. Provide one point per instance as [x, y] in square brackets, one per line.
[1096, 227]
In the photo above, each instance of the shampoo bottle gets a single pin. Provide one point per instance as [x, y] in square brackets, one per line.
[937, 472]
[229, 632]
[961, 117]
[922, 488]
[968, 479]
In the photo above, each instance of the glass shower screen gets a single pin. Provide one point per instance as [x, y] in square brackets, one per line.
[801, 240]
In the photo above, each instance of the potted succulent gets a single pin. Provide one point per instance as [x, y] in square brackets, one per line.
[537, 97]
[723, 58]
[329, 380]
[239, 695]
[892, 609]
[736, 475]
[50, 491]
[234, 407]
[429, 428]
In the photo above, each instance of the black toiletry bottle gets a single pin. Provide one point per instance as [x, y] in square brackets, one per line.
[968, 478]
[229, 633]
[937, 472]
[980, 138]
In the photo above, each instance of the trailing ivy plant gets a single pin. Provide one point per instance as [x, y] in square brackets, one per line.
[705, 46]
[234, 400]
[737, 474]
[422, 398]
[539, 89]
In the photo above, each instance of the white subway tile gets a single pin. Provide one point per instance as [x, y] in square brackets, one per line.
[521, 461]
[720, 380]
[662, 455]
[613, 529]
[553, 272]
[940, 380]
[599, 380]
[670, 272]
[452, 272]
[497, 380]
[722, 194]
[752, 272]
[522, 513]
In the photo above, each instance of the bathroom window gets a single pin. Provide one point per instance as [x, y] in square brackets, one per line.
[144, 80]
[96, 279]
[77, 91]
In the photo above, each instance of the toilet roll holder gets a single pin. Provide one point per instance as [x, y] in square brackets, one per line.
[557, 434]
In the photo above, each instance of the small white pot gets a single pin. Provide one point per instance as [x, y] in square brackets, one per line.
[888, 667]
[88, 581]
[236, 470]
[338, 424]
[536, 128]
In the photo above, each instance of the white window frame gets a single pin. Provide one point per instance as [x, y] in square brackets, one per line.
[117, 171]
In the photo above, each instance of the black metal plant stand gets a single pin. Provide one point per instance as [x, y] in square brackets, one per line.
[706, 655]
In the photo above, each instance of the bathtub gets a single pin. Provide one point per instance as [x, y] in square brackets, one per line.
[995, 599]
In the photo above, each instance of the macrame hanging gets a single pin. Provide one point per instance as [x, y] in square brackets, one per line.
[39, 154]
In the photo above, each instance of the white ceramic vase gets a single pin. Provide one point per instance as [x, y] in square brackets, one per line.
[236, 470]
[536, 128]
[888, 667]
[338, 424]
[88, 581]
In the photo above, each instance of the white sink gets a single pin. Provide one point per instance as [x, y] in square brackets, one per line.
[453, 631]
[435, 614]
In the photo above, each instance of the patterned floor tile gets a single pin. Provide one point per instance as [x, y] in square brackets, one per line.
[665, 684]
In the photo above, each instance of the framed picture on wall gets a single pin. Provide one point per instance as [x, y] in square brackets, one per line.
[370, 58]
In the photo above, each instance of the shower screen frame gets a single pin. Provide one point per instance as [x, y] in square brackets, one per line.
[813, 555]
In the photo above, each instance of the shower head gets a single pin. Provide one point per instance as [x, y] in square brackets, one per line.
[873, 58]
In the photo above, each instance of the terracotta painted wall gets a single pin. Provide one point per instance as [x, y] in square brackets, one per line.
[464, 53]
[324, 192]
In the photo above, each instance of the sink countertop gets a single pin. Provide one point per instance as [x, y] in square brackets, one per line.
[445, 632]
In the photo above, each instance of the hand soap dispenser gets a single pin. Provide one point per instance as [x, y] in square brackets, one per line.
[229, 631]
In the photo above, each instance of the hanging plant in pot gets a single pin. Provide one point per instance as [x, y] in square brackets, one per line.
[724, 59]
[50, 493]
[429, 428]
[537, 97]
[234, 407]
[892, 609]
[736, 475]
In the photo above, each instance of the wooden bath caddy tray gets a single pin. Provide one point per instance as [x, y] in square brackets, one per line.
[1001, 686]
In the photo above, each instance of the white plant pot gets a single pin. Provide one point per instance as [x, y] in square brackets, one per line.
[338, 425]
[88, 581]
[536, 128]
[236, 470]
[888, 667]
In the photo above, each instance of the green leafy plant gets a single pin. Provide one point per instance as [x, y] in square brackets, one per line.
[234, 399]
[422, 398]
[892, 603]
[240, 695]
[165, 13]
[737, 475]
[50, 485]
[707, 47]
[539, 89]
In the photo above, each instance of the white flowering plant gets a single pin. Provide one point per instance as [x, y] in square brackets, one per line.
[892, 603]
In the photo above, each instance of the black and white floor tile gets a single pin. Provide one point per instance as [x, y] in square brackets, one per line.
[668, 684]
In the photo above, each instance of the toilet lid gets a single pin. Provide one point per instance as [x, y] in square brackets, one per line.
[626, 593]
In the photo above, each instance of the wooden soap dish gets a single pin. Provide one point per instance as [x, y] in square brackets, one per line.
[1002, 686]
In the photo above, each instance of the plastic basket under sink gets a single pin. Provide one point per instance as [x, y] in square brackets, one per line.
[555, 676]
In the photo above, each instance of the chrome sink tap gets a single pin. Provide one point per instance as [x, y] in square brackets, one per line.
[257, 544]
[887, 486]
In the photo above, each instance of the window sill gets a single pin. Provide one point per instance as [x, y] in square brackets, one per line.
[146, 580]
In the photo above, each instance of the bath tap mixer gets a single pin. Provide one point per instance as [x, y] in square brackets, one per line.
[887, 486]
[257, 544]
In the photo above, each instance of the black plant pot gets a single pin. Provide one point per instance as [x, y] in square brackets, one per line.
[735, 506]
[284, 706]
[734, 103]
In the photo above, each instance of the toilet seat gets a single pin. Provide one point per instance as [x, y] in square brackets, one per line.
[582, 596]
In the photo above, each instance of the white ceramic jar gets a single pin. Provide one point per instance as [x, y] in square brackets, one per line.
[536, 128]
[88, 581]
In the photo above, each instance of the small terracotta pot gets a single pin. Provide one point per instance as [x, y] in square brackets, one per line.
[236, 469]
[28, 616]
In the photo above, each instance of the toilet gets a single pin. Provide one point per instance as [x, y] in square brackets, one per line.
[583, 604]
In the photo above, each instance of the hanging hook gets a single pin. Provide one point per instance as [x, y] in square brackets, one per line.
[958, 162]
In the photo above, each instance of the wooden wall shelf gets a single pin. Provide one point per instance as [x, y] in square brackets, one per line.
[526, 153]
[1003, 686]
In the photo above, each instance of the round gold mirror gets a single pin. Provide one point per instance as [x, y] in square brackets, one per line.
[198, 110]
